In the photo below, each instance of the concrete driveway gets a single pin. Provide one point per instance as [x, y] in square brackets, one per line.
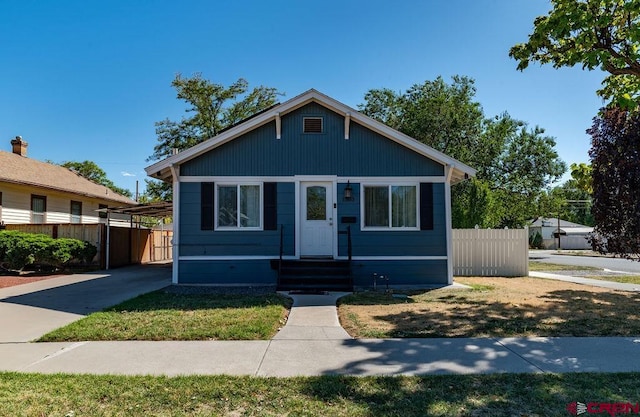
[29, 311]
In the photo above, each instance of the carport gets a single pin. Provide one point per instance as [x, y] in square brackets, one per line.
[140, 215]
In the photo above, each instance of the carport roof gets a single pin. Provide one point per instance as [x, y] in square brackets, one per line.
[159, 209]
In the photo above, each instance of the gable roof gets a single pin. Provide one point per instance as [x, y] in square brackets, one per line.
[18, 169]
[162, 169]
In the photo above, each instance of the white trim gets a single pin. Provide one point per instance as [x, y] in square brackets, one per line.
[290, 257]
[389, 227]
[389, 180]
[232, 257]
[396, 258]
[347, 122]
[293, 178]
[278, 126]
[447, 215]
[175, 240]
[158, 170]
[237, 227]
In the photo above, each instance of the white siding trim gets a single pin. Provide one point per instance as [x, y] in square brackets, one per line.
[449, 228]
[232, 257]
[175, 173]
[289, 257]
[433, 179]
[396, 258]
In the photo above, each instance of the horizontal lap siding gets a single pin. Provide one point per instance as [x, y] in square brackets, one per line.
[400, 273]
[259, 153]
[244, 272]
[197, 242]
[391, 242]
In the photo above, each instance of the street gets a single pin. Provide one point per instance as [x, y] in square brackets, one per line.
[614, 264]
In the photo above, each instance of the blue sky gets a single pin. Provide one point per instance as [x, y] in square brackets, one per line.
[86, 80]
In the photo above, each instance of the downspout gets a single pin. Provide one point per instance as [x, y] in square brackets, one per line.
[447, 208]
[108, 251]
[175, 174]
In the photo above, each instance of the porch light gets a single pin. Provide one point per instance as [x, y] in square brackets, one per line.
[348, 192]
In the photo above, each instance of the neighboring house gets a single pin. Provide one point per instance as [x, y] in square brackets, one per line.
[572, 235]
[38, 192]
[302, 179]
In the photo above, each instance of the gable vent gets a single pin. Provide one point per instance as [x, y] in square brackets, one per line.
[312, 125]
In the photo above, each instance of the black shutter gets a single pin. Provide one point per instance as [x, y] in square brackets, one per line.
[270, 205]
[207, 205]
[426, 206]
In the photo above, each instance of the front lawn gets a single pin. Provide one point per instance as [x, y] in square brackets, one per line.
[549, 267]
[166, 316]
[494, 307]
[445, 395]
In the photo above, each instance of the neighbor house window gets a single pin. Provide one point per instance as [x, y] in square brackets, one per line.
[102, 214]
[38, 209]
[390, 206]
[76, 212]
[238, 206]
[312, 125]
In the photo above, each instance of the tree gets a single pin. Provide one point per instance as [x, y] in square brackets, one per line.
[583, 177]
[212, 108]
[91, 171]
[602, 34]
[615, 153]
[515, 163]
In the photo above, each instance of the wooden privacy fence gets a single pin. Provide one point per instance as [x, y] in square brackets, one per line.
[126, 245]
[491, 252]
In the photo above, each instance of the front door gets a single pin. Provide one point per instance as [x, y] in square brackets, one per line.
[316, 219]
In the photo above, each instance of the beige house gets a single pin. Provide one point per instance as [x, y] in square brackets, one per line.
[35, 192]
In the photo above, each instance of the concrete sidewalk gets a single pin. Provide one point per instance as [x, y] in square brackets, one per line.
[311, 343]
[620, 286]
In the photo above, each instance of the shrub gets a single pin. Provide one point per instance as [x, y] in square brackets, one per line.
[535, 241]
[18, 250]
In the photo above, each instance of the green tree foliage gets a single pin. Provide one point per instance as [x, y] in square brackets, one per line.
[211, 108]
[615, 154]
[602, 34]
[515, 163]
[91, 171]
[569, 201]
[583, 177]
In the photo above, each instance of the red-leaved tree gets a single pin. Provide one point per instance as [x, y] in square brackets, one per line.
[615, 160]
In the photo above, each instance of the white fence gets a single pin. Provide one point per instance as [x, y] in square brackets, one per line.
[491, 252]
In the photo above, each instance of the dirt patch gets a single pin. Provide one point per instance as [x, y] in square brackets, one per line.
[501, 307]
[12, 280]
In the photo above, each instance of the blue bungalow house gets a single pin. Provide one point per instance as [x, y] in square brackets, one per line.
[312, 193]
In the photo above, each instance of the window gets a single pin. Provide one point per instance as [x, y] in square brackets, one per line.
[312, 125]
[0, 207]
[102, 214]
[238, 206]
[76, 212]
[390, 206]
[38, 209]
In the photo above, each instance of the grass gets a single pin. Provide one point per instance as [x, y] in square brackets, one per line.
[627, 279]
[494, 307]
[166, 316]
[549, 267]
[443, 395]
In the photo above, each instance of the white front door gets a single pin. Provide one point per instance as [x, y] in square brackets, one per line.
[316, 219]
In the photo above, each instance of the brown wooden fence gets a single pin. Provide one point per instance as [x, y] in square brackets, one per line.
[127, 246]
